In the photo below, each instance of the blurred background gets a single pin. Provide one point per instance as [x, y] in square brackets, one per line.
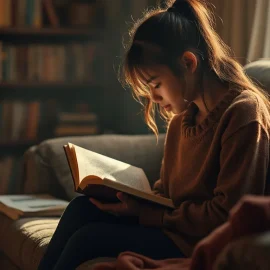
[59, 63]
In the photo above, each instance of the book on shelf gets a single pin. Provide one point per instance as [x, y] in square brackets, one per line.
[101, 177]
[51, 13]
[16, 206]
[76, 123]
[26, 121]
[7, 168]
[40, 62]
[73, 130]
[19, 120]
[21, 13]
[77, 117]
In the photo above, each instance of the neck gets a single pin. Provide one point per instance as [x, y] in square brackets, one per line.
[212, 92]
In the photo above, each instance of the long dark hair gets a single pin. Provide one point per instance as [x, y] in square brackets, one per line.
[163, 35]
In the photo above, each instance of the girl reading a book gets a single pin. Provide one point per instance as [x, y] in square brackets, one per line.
[216, 148]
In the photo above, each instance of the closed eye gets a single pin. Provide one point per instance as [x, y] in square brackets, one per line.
[157, 86]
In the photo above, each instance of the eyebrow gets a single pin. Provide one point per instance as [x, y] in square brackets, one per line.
[151, 79]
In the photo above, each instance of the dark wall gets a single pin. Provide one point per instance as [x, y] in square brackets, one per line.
[122, 114]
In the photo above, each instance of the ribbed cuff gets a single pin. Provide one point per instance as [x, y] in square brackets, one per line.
[151, 216]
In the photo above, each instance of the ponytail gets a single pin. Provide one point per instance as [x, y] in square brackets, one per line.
[164, 34]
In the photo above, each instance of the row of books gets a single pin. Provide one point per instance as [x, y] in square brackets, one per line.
[10, 176]
[35, 120]
[50, 63]
[21, 13]
[72, 123]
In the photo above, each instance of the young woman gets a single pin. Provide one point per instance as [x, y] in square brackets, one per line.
[216, 149]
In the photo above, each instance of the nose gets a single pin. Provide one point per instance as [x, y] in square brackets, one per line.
[155, 97]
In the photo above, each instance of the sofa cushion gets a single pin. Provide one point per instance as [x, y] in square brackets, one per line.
[259, 72]
[141, 151]
[23, 241]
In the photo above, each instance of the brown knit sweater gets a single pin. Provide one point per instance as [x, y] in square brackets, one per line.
[209, 166]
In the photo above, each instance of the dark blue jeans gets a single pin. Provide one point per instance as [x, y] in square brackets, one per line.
[85, 232]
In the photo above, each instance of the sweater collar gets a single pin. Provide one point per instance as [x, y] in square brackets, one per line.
[190, 129]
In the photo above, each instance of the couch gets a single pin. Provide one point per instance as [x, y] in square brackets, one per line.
[23, 242]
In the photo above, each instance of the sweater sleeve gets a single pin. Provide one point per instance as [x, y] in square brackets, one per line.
[243, 169]
[158, 188]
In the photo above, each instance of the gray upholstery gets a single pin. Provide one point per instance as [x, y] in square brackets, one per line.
[25, 240]
[259, 72]
[47, 169]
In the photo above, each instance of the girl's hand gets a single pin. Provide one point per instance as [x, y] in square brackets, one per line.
[126, 207]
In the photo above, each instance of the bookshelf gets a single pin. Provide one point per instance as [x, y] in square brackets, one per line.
[59, 32]
[22, 85]
[49, 80]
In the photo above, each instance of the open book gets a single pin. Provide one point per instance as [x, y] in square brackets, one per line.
[16, 206]
[101, 177]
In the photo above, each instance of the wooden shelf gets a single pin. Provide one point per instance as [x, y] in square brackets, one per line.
[17, 145]
[41, 85]
[51, 32]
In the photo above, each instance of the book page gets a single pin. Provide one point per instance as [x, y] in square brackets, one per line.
[91, 163]
[32, 203]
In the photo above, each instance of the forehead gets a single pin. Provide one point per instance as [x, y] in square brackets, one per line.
[148, 74]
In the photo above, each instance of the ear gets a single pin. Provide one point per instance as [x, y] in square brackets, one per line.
[190, 61]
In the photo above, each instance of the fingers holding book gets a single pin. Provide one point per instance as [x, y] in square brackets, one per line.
[127, 206]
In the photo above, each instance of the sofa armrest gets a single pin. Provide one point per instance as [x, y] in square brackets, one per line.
[38, 175]
[249, 253]
[47, 170]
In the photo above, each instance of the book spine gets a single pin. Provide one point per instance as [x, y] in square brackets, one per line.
[2, 13]
[1, 60]
[37, 16]
[21, 13]
[8, 13]
[7, 164]
[29, 12]
[32, 120]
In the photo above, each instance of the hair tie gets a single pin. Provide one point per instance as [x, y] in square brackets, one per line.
[182, 7]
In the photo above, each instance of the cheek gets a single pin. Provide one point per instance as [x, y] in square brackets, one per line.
[178, 92]
[184, 90]
[190, 90]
